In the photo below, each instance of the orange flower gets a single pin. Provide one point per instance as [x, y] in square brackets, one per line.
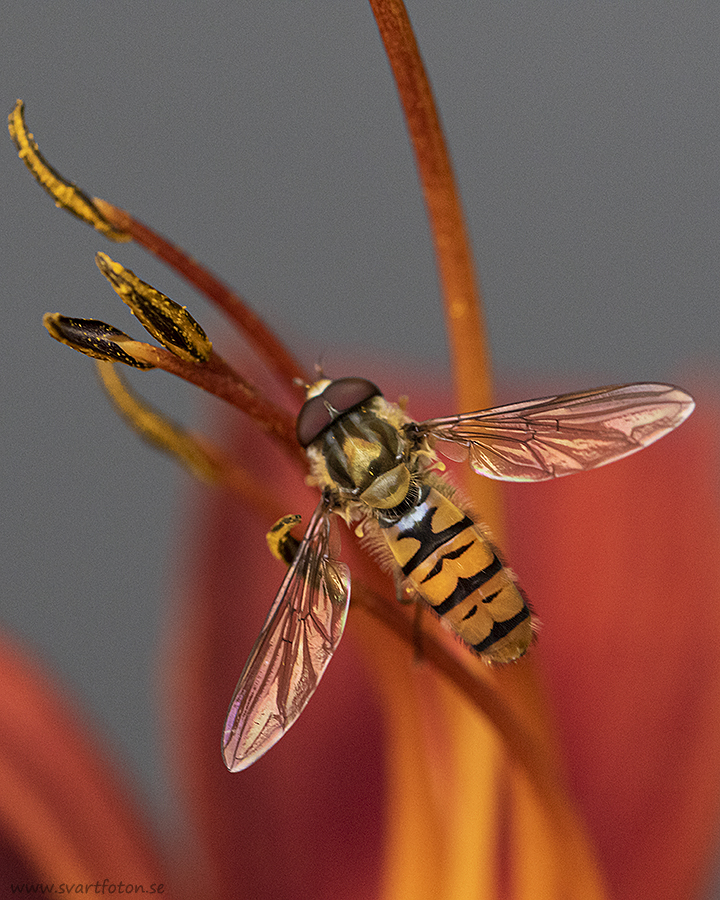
[636, 706]
[407, 777]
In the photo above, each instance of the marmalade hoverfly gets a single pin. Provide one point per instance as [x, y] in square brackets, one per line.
[373, 463]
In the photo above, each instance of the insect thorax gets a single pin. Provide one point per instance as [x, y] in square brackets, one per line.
[365, 459]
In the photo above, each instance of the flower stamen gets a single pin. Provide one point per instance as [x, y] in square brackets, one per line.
[281, 543]
[168, 322]
[98, 339]
[66, 194]
[118, 225]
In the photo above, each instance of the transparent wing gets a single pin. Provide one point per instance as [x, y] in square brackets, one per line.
[553, 436]
[298, 638]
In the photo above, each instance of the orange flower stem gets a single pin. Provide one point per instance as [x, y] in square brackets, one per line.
[267, 345]
[458, 280]
[532, 744]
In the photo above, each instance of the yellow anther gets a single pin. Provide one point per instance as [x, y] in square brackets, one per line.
[98, 339]
[167, 321]
[66, 194]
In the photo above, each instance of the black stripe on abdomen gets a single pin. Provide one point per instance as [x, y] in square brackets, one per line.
[451, 554]
[466, 586]
[500, 629]
[422, 531]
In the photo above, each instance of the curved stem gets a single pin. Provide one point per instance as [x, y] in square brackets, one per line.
[512, 702]
[458, 280]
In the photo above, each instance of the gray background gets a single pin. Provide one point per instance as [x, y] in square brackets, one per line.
[267, 140]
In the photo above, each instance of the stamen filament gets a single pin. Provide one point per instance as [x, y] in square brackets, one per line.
[217, 377]
[203, 458]
[157, 429]
[458, 280]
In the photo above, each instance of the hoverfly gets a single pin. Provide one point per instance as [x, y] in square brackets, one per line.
[373, 463]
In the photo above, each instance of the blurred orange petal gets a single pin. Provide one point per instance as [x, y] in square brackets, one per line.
[64, 813]
[305, 821]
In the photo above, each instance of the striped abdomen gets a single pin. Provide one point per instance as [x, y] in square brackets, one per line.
[447, 560]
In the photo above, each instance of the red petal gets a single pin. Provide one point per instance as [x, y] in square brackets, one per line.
[623, 568]
[64, 813]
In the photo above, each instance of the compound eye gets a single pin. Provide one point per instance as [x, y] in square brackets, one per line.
[345, 393]
[339, 396]
[314, 418]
